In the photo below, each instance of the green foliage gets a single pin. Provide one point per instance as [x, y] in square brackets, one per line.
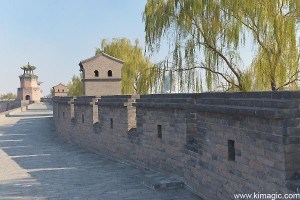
[137, 72]
[28, 71]
[51, 92]
[207, 35]
[274, 27]
[75, 86]
[9, 95]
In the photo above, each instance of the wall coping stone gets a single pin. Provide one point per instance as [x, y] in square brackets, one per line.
[276, 105]
[117, 100]
[63, 100]
[162, 105]
[86, 100]
[272, 113]
[245, 95]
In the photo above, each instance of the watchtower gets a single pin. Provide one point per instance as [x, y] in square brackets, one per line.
[29, 85]
[60, 90]
[101, 75]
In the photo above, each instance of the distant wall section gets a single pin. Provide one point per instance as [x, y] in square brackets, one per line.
[6, 105]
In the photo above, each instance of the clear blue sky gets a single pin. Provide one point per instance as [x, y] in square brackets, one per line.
[55, 35]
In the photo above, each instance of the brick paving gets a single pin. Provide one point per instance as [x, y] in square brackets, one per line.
[36, 164]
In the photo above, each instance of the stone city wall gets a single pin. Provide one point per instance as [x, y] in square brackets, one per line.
[6, 105]
[219, 144]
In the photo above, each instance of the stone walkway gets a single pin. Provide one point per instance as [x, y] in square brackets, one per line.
[36, 164]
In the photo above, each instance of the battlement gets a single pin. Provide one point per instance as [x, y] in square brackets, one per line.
[118, 100]
[218, 143]
[85, 100]
[62, 100]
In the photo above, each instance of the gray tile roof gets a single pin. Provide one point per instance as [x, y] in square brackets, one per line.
[101, 54]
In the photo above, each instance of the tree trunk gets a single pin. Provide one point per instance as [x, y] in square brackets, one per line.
[273, 85]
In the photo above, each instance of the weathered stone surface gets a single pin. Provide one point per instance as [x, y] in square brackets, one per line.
[189, 135]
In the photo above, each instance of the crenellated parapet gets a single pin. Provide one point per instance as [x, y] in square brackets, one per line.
[219, 144]
[118, 108]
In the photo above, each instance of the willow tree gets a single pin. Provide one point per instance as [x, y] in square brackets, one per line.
[208, 35]
[137, 71]
[273, 25]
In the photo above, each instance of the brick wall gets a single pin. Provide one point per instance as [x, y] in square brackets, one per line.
[256, 123]
[218, 143]
[6, 105]
[102, 87]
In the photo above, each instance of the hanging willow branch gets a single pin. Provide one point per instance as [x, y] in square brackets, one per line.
[213, 32]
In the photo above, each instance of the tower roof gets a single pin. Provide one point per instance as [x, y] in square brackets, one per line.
[28, 67]
[98, 55]
[60, 84]
[28, 71]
